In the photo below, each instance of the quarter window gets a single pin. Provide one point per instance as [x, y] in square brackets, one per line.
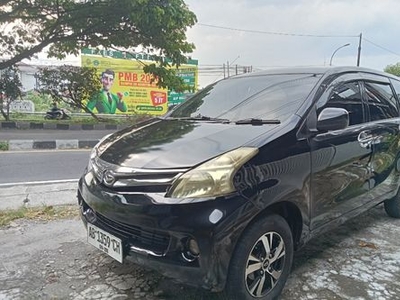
[382, 103]
[396, 85]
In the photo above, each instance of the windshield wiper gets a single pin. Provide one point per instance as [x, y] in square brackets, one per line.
[254, 121]
[201, 118]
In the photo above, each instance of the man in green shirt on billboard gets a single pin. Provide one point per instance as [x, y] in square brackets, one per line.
[106, 102]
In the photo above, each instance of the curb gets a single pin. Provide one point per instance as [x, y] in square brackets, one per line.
[33, 195]
[16, 145]
[59, 126]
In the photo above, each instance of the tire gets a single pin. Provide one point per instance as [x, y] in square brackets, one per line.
[267, 274]
[392, 206]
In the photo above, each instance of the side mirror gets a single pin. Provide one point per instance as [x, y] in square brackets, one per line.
[332, 118]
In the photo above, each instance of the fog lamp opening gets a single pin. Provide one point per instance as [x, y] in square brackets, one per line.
[191, 250]
[90, 215]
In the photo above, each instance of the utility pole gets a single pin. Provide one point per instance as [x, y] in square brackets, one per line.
[230, 64]
[359, 51]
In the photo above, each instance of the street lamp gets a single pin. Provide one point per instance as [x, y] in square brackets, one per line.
[330, 63]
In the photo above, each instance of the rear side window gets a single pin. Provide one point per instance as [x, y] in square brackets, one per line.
[382, 103]
[396, 85]
[347, 95]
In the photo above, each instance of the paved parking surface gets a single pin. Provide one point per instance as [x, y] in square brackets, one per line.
[359, 260]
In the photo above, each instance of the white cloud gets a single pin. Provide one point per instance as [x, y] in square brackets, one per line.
[344, 19]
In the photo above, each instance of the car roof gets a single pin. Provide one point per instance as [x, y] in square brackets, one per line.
[325, 70]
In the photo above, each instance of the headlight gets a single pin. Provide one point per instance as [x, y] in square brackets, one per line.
[213, 178]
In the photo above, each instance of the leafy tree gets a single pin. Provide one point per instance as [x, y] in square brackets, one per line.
[70, 84]
[393, 69]
[65, 27]
[41, 101]
[10, 90]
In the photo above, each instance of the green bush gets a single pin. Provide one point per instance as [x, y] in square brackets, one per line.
[78, 119]
[42, 102]
[3, 145]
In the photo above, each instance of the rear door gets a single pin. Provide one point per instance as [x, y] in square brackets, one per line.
[383, 129]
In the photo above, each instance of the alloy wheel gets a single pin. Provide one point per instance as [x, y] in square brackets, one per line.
[265, 264]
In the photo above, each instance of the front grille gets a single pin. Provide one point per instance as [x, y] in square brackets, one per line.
[148, 239]
[140, 189]
[135, 180]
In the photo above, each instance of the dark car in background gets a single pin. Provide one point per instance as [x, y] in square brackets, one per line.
[223, 189]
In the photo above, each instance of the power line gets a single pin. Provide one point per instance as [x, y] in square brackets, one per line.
[383, 48]
[296, 34]
[275, 33]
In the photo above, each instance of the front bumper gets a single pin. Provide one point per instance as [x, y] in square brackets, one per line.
[157, 235]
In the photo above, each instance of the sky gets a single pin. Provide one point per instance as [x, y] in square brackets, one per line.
[265, 34]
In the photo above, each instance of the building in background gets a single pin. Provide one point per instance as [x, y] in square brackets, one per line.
[27, 75]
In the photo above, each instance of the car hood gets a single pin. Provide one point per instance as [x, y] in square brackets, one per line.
[164, 144]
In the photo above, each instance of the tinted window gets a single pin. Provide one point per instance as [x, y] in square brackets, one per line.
[347, 95]
[266, 97]
[381, 101]
[396, 85]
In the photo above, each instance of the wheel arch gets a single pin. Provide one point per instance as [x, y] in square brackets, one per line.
[290, 212]
[285, 210]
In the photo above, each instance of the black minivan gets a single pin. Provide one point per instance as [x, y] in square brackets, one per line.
[223, 189]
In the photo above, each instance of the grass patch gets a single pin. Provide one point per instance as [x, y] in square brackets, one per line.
[79, 119]
[3, 145]
[42, 213]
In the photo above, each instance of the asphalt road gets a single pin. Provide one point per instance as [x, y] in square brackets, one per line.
[29, 166]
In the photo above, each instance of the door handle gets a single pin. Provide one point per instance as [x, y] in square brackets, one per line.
[365, 138]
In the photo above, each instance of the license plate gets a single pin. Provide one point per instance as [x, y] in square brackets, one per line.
[105, 242]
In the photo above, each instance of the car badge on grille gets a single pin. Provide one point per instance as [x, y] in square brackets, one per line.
[108, 178]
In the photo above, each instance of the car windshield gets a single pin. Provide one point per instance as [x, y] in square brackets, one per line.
[265, 97]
